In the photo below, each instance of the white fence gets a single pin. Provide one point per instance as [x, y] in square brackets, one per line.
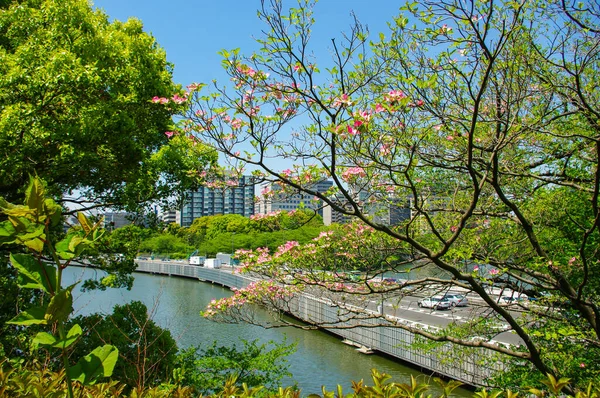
[468, 365]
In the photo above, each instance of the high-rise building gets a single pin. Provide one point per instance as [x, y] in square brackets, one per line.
[236, 197]
[278, 200]
[170, 217]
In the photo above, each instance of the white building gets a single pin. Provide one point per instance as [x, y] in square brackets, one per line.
[283, 201]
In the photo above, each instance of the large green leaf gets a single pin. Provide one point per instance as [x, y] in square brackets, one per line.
[34, 196]
[34, 274]
[61, 305]
[43, 339]
[54, 211]
[33, 316]
[62, 247]
[72, 245]
[85, 223]
[74, 333]
[7, 232]
[99, 363]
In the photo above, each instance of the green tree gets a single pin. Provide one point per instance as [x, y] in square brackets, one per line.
[76, 109]
[147, 352]
[253, 364]
[480, 118]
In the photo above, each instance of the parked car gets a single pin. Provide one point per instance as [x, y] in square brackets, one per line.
[457, 300]
[509, 299]
[436, 303]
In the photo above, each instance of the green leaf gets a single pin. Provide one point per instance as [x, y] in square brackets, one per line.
[85, 224]
[61, 305]
[35, 275]
[44, 339]
[99, 363]
[33, 316]
[34, 195]
[75, 241]
[54, 211]
[74, 333]
[7, 232]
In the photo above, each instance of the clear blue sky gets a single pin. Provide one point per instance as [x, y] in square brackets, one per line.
[193, 31]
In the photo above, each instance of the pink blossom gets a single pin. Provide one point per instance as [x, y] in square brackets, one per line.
[161, 100]
[358, 123]
[236, 123]
[353, 131]
[178, 100]
[582, 365]
[384, 150]
[379, 108]
[169, 133]
[572, 260]
[450, 138]
[494, 271]
[296, 68]
[342, 100]
[454, 228]
[287, 172]
[394, 95]
[353, 172]
[476, 268]
[420, 102]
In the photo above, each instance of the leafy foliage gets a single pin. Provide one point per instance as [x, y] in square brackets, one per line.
[75, 95]
[147, 352]
[29, 226]
[252, 365]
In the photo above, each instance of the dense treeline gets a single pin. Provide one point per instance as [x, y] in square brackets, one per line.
[222, 234]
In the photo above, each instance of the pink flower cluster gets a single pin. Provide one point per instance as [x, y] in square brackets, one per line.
[289, 245]
[353, 172]
[176, 98]
[256, 293]
[342, 100]
[263, 216]
[394, 95]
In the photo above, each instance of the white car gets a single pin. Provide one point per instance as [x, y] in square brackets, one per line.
[437, 303]
[457, 300]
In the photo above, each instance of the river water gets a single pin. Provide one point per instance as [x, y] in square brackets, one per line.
[175, 303]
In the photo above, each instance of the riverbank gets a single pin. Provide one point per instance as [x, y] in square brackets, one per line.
[175, 302]
[470, 366]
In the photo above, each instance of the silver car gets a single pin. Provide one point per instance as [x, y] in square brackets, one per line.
[457, 300]
[436, 303]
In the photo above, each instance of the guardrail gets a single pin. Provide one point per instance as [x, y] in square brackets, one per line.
[468, 365]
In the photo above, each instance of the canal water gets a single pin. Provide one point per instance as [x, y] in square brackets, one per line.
[320, 360]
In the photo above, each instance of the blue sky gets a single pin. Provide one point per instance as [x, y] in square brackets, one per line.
[193, 31]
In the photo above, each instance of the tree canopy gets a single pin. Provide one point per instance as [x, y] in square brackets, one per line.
[482, 118]
[76, 109]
